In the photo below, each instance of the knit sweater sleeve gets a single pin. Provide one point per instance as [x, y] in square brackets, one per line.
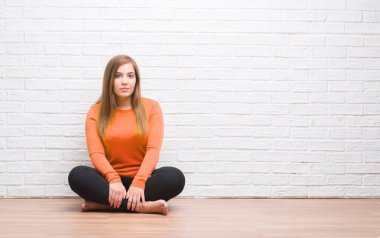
[154, 142]
[96, 149]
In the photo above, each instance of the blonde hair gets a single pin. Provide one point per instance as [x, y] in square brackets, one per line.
[108, 98]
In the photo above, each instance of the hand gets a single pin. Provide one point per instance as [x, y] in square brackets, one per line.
[116, 194]
[135, 194]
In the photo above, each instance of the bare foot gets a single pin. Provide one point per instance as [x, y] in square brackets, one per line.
[93, 206]
[159, 206]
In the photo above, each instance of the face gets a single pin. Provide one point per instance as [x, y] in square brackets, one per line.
[124, 81]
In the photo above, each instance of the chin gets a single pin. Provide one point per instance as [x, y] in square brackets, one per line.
[124, 95]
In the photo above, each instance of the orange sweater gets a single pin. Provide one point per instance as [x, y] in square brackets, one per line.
[124, 153]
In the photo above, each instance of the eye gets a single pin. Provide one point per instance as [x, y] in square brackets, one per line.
[131, 76]
[117, 76]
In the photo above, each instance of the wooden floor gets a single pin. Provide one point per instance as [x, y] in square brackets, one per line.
[195, 218]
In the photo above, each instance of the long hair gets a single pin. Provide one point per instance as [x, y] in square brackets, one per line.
[108, 98]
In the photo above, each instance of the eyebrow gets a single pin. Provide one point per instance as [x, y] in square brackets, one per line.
[127, 73]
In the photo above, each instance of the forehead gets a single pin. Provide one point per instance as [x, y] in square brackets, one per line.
[126, 68]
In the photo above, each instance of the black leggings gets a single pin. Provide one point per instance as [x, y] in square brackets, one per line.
[165, 183]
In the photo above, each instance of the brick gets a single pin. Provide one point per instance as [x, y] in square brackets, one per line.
[11, 179]
[345, 41]
[289, 191]
[12, 155]
[344, 16]
[325, 191]
[345, 109]
[43, 155]
[25, 167]
[23, 3]
[344, 180]
[363, 5]
[43, 37]
[371, 180]
[371, 109]
[334, 4]
[48, 179]
[46, 107]
[371, 156]
[10, 13]
[25, 191]
[42, 13]
[327, 146]
[63, 49]
[338, 157]
[290, 168]
[308, 133]
[11, 131]
[361, 192]
[295, 145]
[308, 180]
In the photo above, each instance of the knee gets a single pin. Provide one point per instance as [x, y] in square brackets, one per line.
[75, 174]
[177, 178]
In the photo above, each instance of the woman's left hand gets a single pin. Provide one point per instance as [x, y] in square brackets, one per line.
[134, 196]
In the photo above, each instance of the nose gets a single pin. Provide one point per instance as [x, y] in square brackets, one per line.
[124, 80]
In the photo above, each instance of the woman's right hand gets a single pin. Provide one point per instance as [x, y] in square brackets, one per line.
[116, 193]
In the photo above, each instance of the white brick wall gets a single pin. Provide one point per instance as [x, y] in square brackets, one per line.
[261, 98]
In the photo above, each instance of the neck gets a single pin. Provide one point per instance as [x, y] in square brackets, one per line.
[124, 103]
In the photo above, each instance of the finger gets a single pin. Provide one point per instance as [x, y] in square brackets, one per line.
[134, 202]
[111, 203]
[129, 203]
[137, 205]
[116, 200]
[126, 196]
[143, 198]
[122, 196]
[138, 201]
[111, 198]
[120, 200]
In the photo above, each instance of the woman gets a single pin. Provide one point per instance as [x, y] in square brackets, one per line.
[124, 133]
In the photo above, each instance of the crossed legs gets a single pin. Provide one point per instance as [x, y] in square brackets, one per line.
[164, 184]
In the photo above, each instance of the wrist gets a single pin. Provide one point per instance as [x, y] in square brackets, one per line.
[138, 183]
